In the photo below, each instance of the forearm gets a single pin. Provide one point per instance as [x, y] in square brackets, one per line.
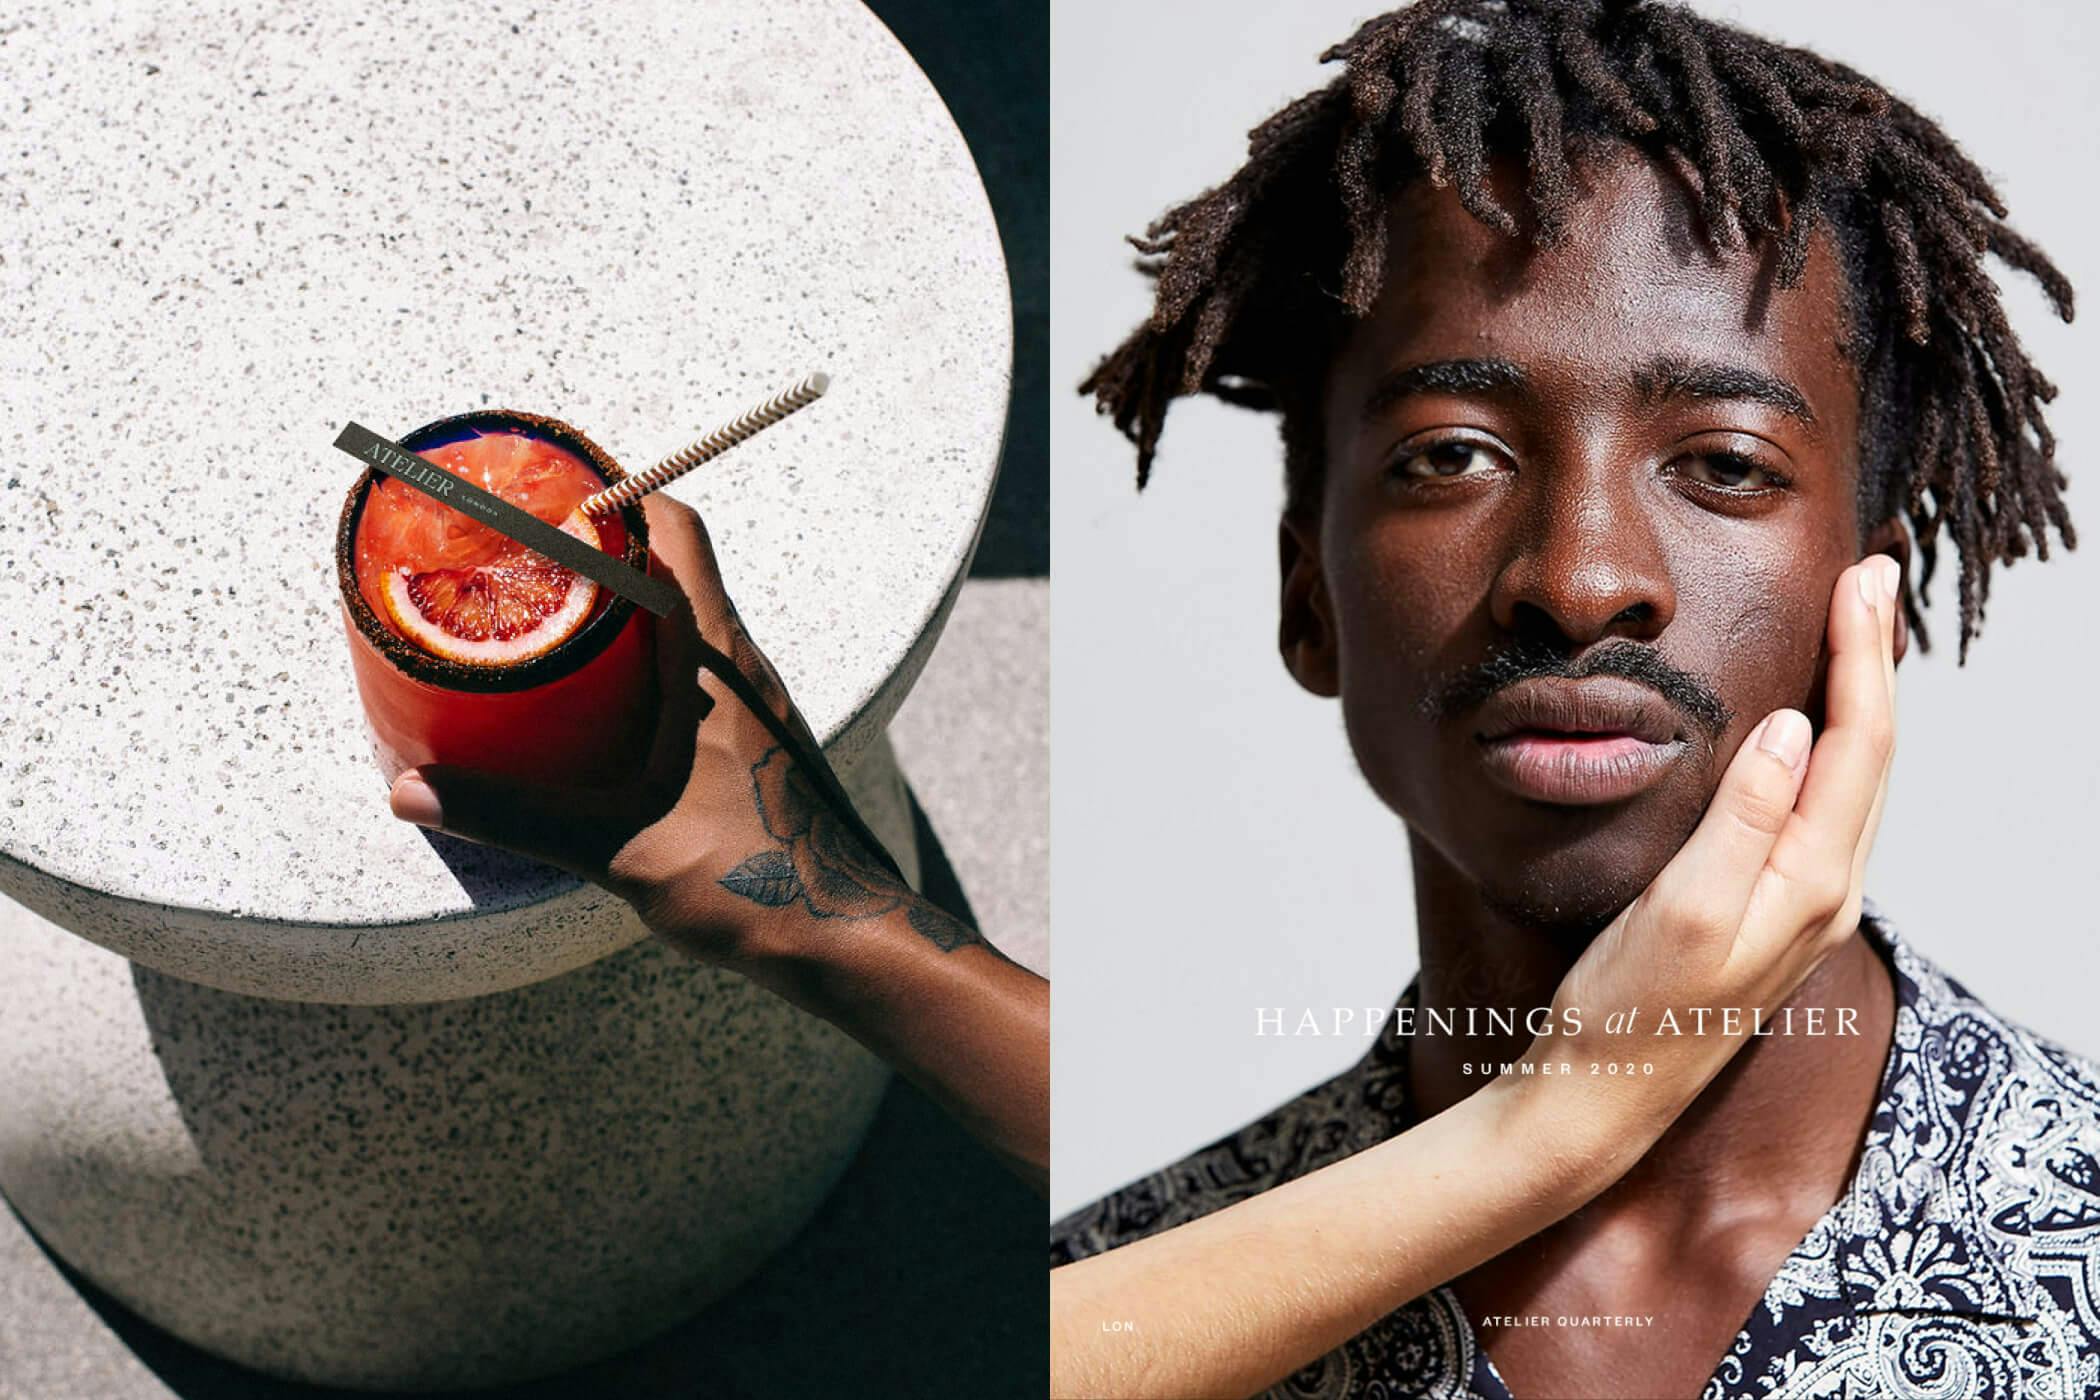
[1233, 1302]
[928, 995]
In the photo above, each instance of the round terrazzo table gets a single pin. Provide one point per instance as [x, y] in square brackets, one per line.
[297, 1082]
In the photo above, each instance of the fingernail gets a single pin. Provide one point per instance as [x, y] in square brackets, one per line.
[1785, 737]
[1891, 578]
[1870, 584]
[413, 801]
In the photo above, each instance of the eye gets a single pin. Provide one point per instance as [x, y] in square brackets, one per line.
[1730, 471]
[1441, 461]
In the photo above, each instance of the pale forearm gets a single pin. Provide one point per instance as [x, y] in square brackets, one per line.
[1234, 1302]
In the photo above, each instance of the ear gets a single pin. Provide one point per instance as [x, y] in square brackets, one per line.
[1305, 634]
[1891, 538]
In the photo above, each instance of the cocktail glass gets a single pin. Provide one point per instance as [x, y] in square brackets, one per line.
[579, 714]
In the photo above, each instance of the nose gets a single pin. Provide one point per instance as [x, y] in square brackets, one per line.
[1586, 565]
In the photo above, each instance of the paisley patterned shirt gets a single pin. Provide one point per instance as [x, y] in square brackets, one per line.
[1963, 1260]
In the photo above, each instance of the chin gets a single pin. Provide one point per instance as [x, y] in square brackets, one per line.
[1571, 892]
[1570, 916]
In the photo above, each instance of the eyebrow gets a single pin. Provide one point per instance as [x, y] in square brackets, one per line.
[1441, 377]
[1667, 377]
[1664, 377]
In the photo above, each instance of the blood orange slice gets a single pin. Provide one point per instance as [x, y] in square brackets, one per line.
[496, 612]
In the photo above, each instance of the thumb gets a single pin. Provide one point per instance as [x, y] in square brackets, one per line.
[574, 829]
[1707, 885]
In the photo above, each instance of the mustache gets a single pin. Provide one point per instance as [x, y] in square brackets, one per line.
[1527, 658]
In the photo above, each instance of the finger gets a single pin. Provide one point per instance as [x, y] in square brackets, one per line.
[574, 829]
[1708, 883]
[1866, 845]
[1813, 856]
[678, 537]
[681, 703]
[1881, 791]
[765, 689]
[686, 549]
[694, 692]
[688, 694]
[773, 690]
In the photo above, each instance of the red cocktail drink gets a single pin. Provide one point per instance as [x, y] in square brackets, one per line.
[470, 649]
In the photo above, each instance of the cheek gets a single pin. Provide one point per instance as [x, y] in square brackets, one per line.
[1759, 630]
[1399, 602]
[1404, 610]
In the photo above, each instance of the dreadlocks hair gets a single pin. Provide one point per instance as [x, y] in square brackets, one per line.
[1257, 280]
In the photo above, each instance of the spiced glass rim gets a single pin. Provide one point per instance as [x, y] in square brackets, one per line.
[569, 656]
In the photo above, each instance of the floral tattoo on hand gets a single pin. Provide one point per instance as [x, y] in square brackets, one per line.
[822, 863]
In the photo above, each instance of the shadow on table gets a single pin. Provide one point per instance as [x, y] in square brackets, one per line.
[922, 1275]
[490, 875]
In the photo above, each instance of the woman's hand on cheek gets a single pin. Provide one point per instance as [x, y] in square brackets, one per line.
[1766, 887]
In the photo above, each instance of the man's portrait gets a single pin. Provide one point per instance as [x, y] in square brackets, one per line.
[1507, 392]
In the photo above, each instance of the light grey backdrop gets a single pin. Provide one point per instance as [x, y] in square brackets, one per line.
[1216, 851]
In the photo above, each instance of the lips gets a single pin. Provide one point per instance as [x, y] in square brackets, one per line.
[1578, 743]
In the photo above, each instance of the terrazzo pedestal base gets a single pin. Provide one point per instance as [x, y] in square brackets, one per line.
[422, 1196]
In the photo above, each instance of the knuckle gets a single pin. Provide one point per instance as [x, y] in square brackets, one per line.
[1815, 888]
[669, 519]
[1824, 893]
[1684, 914]
[1759, 810]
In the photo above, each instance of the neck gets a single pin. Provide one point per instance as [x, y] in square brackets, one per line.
[1785, 1117]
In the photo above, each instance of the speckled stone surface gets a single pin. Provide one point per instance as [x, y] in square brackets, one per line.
[504, 944]
[231, 228]
[415, 1196]
[418, 1196]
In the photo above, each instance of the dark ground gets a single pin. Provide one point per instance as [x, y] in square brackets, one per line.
[991, 61]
